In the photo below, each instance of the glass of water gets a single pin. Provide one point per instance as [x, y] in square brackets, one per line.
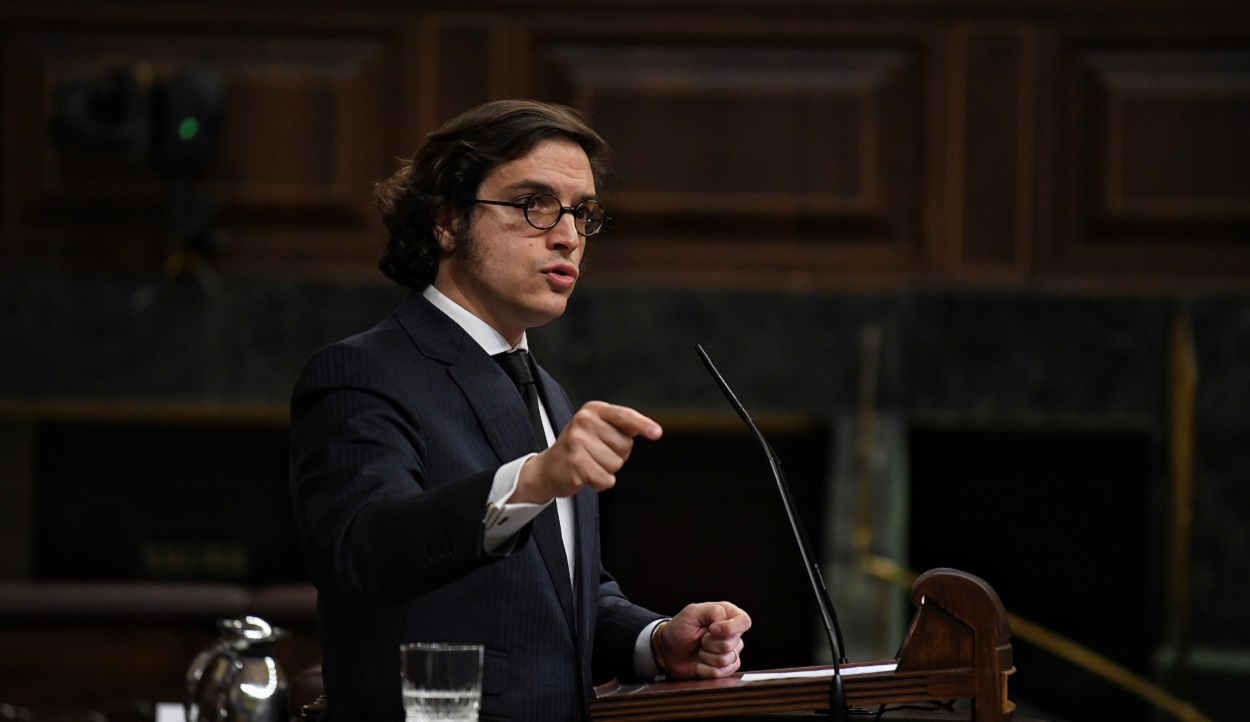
[441, 682]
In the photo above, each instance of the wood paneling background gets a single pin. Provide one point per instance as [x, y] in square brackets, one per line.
[1019, 196]
[808, 145]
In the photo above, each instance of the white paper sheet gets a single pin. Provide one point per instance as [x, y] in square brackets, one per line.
[846, 672]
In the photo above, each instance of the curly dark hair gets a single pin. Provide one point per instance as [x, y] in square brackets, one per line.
[448, 169]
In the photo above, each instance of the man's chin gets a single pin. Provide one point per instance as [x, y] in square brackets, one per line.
[547, 312]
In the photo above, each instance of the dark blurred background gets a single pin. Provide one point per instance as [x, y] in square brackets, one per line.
[978, 269]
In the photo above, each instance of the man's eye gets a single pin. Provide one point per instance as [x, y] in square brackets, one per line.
[532, 203]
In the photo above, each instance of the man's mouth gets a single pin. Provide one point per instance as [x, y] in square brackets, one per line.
[565, 272]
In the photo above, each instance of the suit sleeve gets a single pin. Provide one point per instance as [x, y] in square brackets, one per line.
[619, 623]
[373, 522]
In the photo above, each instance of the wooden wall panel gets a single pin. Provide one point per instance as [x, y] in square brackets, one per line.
[812, 153]
[300, 144]
[1157, 174]
[826, 146]
[463, 64]
[1177, 138]
[991, 160]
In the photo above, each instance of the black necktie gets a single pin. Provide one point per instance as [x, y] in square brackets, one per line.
[517, 365]
[547, 525]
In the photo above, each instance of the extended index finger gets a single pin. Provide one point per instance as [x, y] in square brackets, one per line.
[629, 421]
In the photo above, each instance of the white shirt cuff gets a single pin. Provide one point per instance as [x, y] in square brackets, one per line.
[644, 661]
[503, 520]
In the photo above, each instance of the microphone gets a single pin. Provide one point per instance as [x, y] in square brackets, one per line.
[837, 690]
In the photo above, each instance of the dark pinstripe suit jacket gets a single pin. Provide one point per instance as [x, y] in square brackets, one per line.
[396, 434]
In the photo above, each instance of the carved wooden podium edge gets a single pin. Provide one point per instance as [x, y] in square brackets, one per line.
[957, 647]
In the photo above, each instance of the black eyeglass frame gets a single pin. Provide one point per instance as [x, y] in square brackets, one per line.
[522, 202]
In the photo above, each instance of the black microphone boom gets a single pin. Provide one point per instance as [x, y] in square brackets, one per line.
[837, 691]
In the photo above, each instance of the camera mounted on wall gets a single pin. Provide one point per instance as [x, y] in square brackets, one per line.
[172, 124]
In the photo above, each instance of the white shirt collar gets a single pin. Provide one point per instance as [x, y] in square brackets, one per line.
[488, 338]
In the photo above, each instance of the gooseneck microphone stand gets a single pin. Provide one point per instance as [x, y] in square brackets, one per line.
[837, 690]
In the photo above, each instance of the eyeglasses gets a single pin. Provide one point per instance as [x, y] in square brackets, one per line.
[543, 211]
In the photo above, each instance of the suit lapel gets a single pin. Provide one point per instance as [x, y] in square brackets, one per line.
[499, 409]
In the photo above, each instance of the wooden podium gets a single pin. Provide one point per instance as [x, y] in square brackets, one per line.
[957, 647]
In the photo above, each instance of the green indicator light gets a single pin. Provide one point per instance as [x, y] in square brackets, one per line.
[188, 128]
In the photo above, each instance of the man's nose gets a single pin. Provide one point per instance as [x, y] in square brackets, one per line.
[564, 233]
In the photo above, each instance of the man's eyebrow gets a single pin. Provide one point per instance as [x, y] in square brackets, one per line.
[533, 186]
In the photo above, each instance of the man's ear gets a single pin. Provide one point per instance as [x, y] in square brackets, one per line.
[444, 228]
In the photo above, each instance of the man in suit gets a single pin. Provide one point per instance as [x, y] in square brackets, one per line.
[433, 504]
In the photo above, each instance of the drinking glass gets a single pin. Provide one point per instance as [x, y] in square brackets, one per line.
[441, 682]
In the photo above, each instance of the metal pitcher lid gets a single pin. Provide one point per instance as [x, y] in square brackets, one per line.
[249, 629]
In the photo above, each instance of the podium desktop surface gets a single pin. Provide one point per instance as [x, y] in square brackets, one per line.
[894, 715]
